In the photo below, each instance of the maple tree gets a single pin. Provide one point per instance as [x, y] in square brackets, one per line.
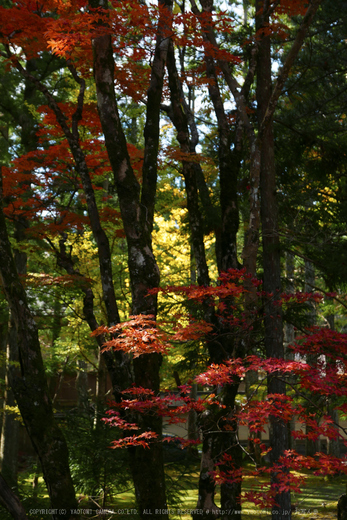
[90, 167]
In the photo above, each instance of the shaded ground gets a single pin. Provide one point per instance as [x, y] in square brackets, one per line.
[318, 500]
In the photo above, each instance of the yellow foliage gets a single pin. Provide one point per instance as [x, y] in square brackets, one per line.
[171, 248]
[14, 410]
[84, 248]
[171, 243]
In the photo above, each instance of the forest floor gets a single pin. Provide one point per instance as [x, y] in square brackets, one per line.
[316, 501]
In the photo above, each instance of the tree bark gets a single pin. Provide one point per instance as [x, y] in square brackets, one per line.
[10, 501]
[342, 508]
[179, 119]
[137, 212]
[229, 167]
[333, 447]
[207, 486]
[311, 445]
[10, 423]
[210, 212]
[289, 338]
[271, 258]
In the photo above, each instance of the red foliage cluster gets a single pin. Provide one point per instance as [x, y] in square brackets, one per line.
[137, 336]
[324, 375]
[51, 170]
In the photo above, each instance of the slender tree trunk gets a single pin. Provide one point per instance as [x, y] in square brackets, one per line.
[210, 212]
[180, 121]
[333, 447]
[271, 259]
[207, 486]
[101, 388]
[253, 447]
[289, 338]
[82, 385]
[229, 159]
[10, 422]
[192, 426]
[311, 445]
[30, 388]
[229, 443]
[229, 167]
[289, 333]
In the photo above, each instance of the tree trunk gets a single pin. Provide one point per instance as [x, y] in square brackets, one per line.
[10, 501]
[289, 338]
[137, 215]
[192, 425]
[179, 119]
[10, 422]
[289, 332]
[229, 443]
[223, 441]
[207, 486]
[333, 447]
[210, 212]
[271, 258]
[30, 388]
[82, 385]
[229, 167]
[311, 445]
[342, 508]
[229, 160]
